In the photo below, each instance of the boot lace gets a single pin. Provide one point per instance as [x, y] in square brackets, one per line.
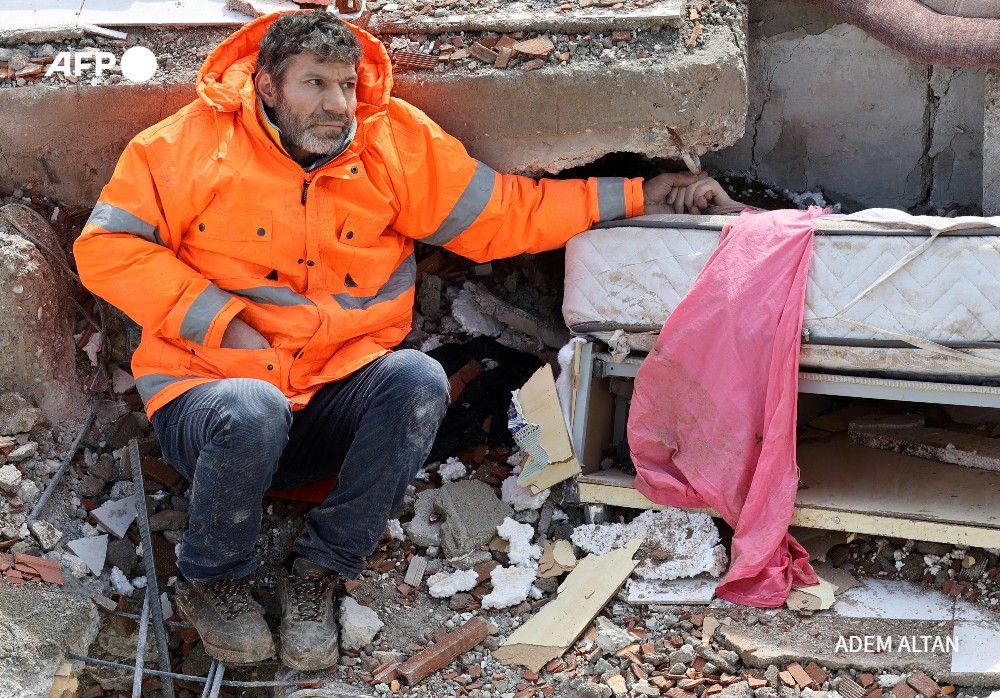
[230, 597]
[308, 602]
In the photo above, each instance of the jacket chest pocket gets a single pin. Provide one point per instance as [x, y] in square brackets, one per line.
[232, 242]
[371, 250]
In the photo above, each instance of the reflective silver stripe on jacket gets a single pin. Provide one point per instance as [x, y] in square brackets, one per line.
[150, 385]
[401, 281]
[273, 295]
[199, 316]
[118, 220]
[470, 204]
[611, 198]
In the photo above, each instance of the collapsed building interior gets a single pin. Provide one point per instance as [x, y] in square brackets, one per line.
[789, 104]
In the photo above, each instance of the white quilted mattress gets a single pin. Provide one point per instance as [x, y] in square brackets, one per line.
[631, 279]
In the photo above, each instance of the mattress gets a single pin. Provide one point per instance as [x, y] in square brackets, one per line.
[936, 314]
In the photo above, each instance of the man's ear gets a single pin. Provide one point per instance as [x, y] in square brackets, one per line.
[266, 88]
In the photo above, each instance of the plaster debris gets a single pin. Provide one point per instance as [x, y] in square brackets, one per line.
[120, 583]
[444, 584]
[358, 624]
[472, 321]
[511, 586]
[122, 381]
[521, 498]
[116, 516]
[396, 530]
[92, 551]
[519, 535]
[452, 469]
[943, 445]
[76, 566]
[46, 534]
[676, 543]
[10, 479]
[610, 637]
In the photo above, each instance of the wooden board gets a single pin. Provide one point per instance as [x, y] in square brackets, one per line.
[847, 487]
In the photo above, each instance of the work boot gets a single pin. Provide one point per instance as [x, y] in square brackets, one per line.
[229, 622]
[309, 638]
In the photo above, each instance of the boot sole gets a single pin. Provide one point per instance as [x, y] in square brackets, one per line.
[313, 665]
[223, 654]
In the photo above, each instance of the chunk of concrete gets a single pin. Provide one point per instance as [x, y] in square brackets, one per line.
[358, 624]
[38, 626]
[609, 637]
[420, 529]
[47, 535]
[472, 513]
[23, 452]
[17, 416]
[10, 479]
[36, 325]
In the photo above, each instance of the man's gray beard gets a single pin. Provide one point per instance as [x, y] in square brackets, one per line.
[299, 135]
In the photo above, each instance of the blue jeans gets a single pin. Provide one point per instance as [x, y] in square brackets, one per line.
[236, 438]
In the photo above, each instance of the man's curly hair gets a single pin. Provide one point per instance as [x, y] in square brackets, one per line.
[316, 32]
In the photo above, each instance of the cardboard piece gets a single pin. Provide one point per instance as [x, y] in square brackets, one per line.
[815, 598]
[93, 551]
[555, 559]
[582, 595]
[841, 579]
[536, 421]
[116, 516]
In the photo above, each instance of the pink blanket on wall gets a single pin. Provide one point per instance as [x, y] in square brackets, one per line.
[712, 421]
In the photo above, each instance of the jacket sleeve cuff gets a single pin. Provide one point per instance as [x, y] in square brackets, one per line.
[634, 201]
[217, 328]
[203, 315]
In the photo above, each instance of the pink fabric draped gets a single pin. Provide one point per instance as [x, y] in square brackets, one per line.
[712, 421]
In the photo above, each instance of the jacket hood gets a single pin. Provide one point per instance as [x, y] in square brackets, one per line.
[224, 79]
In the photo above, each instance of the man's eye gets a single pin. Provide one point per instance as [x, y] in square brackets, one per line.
[315, 81]
[347, 85]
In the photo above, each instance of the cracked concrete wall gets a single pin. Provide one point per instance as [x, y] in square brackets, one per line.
[991, 146]
[833, 109]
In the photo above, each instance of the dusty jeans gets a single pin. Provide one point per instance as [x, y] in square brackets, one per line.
[235, 439]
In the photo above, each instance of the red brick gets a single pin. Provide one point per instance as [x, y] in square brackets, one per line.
[533, 65]
[903, 690]
[816, 673]
[923, 684]
[160, 472]
[799, 674]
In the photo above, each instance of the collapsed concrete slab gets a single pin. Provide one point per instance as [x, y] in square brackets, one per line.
[37, 628]
[36, 325]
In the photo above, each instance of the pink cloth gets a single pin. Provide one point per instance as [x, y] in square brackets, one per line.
[712, 421]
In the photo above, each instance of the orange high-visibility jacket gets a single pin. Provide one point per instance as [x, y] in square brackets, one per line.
[206, 218]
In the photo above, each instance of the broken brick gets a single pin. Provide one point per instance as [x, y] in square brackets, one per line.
[903, 690]
[533, 64]
[923, 684]
[539, 47]
[799, 674]
[160, 472]
[486, 55]
[618, 36]
[405, 58]
[442, 653]
[816, 673]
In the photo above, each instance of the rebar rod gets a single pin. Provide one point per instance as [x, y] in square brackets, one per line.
[181, 677]
[210, 679]
[57, 476]
[152, 587]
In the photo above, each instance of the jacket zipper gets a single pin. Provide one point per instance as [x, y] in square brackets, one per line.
[305, 190]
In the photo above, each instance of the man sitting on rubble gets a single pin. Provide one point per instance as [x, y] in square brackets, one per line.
[263, 237]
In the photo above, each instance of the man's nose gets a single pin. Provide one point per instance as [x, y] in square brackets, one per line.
[334, 102]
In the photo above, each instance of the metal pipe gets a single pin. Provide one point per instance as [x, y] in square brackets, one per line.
[57, 476]
[140, 651]
[152, 587]
[182, 677]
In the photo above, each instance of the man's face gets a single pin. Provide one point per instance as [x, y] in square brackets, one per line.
[314, 104]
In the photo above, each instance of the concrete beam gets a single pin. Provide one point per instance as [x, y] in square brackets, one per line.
[65, 142]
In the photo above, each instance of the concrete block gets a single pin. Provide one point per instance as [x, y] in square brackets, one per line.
[17, 415]
[36, 324]
[832, 110]
[472, 513]
[991, 145]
